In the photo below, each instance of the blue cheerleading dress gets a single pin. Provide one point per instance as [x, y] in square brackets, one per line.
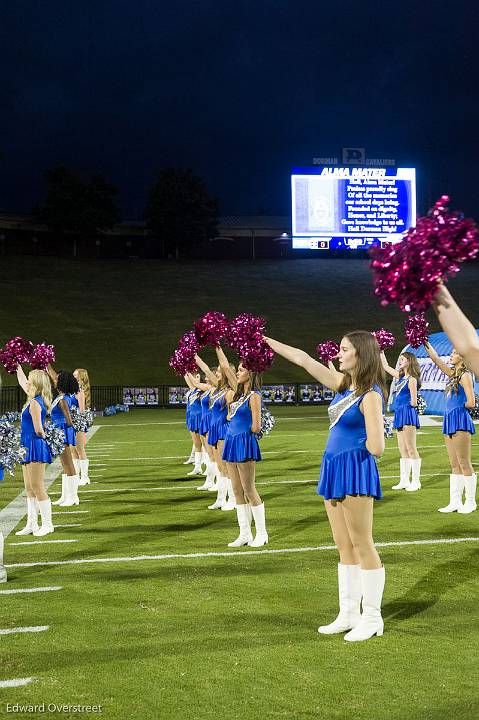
[348, 468]
[36, 447]
[205, 413]
[219, 421]
[404, 412]
[456, 415]
[193, 413]
[59, 419]
[241, 444]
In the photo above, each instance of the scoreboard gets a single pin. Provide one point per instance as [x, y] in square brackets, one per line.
[351, 207]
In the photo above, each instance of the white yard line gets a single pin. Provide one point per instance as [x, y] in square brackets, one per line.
[33, 629]
[192, 556]
[18, 591]
[17, 508]
[71, 512]
[17, 682]
[68, 525]
[41, 542]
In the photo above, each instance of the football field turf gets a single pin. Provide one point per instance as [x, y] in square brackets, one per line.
[147, 612]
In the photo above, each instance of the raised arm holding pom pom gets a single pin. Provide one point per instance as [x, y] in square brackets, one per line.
[458, 328]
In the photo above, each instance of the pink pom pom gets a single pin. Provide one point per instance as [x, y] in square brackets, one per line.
[416, 329]
[16, 351]
[211, 328]
[183, 359]
[327, 351]
[385, 338]
[243, 328]
[408, 273]
[256, 355]
[42, 356]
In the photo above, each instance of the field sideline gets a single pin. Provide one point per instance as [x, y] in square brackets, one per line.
[144, 610]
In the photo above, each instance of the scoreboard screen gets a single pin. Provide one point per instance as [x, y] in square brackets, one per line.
[351, 207]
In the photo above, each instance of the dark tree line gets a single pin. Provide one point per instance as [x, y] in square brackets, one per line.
[179, 212]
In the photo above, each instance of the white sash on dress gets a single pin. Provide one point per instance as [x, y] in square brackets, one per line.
[216, 396]
[235, 406]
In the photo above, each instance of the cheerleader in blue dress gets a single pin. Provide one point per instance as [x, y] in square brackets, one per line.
[223, 380]
[66, 386]
[241, 453]
[406, 418]
[32, 438]
[205, 391]
[458, 430]
[82, 400]
[193, 420]
[349, 479]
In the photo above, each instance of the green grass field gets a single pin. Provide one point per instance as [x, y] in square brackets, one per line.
[122, 319]
[204, 631]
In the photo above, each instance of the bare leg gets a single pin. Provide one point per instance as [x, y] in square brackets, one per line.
[233, 474]
[358, 515]
[67, 461]
[347, 553]
[409, 436]
[79, 452]
[247, 472]
[461, 442]
[196, 441]
[37, 480]
[453, 459]
[26, 481]
[402, 444]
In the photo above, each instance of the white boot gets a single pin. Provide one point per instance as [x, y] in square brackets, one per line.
[46, 513]
[209, 483]
[72, 491]
[215, 474]
[371, 623]
[260, 525]
[32, 518]
[63, 496]
[3, 572]
[470, 505]
[191, 459]
[416, 473]
[230, 504]
[349, 587]
[84, 479]
[221, 497]
[76, 464]
[456, 486]
[205, 460]
[244, 522]
[404, 470]
[197, 468]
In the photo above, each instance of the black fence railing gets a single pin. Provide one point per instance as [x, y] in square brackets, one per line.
[171, 396]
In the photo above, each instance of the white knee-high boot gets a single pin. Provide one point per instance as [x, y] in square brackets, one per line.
[197, 468]
[209, 483]
[230, 504]
[32, 518]
[76, 465]
[404, 471]
[261, 537]
[205, 460]
[416, 474]
[191, 459]
[3, 572]
[349, 588]
[46, 513]
[84, 479]
[456, 486]
[63, 496]
[221, 497]
[470, 483]
[244, 522]
[71, 491]
[371, 623]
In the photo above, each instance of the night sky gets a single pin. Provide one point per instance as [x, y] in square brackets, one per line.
[238, 91]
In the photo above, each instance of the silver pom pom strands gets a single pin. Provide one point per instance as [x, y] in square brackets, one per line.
[55, 439]
[11, 452]
[82, 421]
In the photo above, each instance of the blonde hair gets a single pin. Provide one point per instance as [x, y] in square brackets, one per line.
[39, 384]
[224, 382]
[84, 383]
[455, 380]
